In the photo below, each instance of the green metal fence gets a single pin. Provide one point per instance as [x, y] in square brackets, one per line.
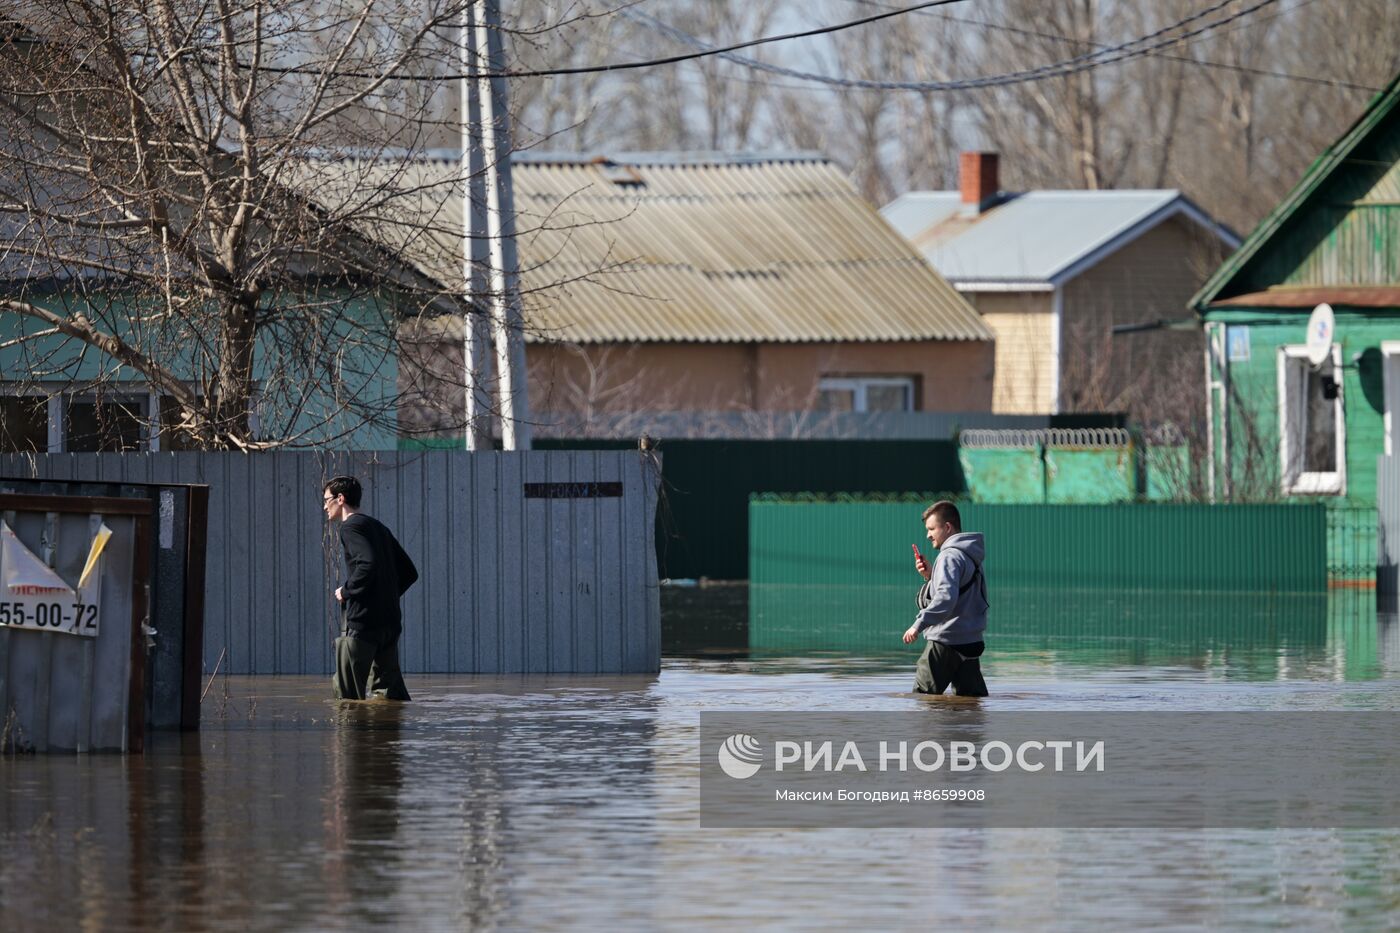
[1351, 546]
[835, 573]
[1241, 548]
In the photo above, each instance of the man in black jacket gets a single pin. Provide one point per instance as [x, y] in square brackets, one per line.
[378, 573]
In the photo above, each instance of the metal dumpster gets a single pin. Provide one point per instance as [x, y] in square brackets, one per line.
[74, 599]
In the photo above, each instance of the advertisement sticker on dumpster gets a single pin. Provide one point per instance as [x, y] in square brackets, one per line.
[34, 596]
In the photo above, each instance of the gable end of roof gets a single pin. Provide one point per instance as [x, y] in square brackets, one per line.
[1377, 111]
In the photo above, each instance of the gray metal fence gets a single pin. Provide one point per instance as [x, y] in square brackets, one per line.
[1388, 534]
[537, 561]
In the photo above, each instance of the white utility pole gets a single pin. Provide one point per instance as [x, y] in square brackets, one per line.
[503, 265]
[476, 325]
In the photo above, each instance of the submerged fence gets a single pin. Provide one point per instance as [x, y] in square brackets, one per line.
[834, 566]
[541, 561]
[1240, 548]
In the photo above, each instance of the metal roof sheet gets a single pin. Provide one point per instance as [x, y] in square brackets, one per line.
[1035, 236]
[684, 250]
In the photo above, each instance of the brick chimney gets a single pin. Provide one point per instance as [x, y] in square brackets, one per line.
[977, 177]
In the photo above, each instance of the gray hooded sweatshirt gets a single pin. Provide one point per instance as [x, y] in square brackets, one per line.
[944, 615]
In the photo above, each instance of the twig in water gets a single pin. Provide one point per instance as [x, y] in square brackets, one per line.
[213, 675]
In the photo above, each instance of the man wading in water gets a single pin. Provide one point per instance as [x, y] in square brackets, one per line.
[952, 607]
[378, 573]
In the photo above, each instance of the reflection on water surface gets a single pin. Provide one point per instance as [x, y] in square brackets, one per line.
[572, 803]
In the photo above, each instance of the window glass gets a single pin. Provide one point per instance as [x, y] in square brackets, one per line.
[865, 393]
[1319, 426]
[24, 424]
[105, 426]
[1313, 461]
[836, 400]
[887, 398]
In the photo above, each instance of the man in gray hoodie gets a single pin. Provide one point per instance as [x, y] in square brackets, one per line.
[952, 607]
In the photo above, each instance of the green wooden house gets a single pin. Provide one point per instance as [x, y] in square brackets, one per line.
[1281, 425]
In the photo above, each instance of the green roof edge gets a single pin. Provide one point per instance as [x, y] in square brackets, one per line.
[1321, 169]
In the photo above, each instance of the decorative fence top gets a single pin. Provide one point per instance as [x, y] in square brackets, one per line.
[1094, 438]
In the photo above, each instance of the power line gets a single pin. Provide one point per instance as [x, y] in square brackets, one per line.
[705, 52]
[1070, 66]
[1205, 63]
[1105, 56]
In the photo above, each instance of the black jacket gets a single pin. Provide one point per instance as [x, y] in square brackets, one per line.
[378, 573]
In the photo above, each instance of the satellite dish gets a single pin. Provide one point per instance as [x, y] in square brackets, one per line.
[1321, 329]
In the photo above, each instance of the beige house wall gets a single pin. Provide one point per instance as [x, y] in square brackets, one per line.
[949, 375]
[568, 383]
[1152, 375]
[619, 378]
[1025, 349]
[615, 378]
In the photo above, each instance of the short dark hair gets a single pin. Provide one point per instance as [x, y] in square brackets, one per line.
[943, 510]
[346, 486]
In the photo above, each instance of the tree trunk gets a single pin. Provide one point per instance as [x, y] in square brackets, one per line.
[233, 388]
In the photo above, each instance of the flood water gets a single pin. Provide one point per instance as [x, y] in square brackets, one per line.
[572, 803]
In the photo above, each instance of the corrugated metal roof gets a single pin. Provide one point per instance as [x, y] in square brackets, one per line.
[1032, 237]
[719, 251]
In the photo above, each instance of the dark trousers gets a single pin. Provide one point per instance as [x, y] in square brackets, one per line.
[941, 665]
[367, 663]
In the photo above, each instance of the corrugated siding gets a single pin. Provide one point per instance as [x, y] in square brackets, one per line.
[508, 584]
[843, 572]
[65, 692]
[756, 251]
[1243, 548]
[839, 576]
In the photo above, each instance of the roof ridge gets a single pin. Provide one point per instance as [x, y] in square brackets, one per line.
[1077, 192]
[662, 158]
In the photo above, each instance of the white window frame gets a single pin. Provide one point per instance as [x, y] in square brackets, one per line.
[1299, 482]
[1390, 372]
[857, 386]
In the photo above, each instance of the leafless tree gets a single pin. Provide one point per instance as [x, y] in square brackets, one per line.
[222, 201]
[1233, 116]
[158, 199]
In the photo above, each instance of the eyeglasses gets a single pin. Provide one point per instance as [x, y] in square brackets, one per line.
[325, 499]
